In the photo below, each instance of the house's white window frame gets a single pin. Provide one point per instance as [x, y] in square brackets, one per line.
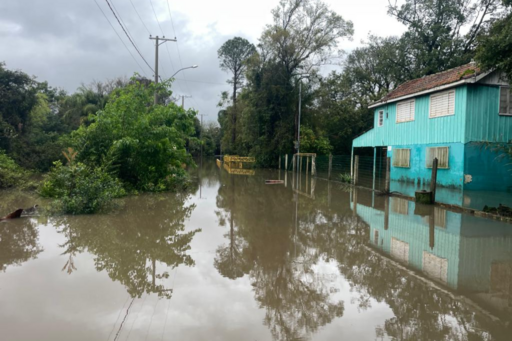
[408, 160]
[441, 94]
[413, 110]
[438, 165]
[380, 122]
[509, 101]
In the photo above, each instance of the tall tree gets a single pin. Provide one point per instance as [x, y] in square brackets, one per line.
[495, 48]
[304, 35]
[233, 55]
[436, 35]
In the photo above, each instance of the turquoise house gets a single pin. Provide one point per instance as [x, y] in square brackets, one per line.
[460, 116]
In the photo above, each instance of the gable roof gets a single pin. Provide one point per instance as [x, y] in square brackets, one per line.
[468, 73]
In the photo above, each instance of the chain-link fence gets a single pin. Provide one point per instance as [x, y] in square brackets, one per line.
[338, 168]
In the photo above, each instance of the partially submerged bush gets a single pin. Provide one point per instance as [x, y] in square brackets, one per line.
[81, 189]
[346, 178]
[10, 173]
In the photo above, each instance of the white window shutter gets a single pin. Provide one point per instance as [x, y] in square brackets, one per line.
[405, 111]
[442, 104]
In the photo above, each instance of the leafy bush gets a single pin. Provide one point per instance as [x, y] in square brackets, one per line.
[345, 177]
[81, 189]
[143, 144]
[10, 173]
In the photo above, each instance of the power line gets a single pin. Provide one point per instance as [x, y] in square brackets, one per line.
[142, 21]
[131, 41]
[126, 47]
[163, 34]
[178, 48]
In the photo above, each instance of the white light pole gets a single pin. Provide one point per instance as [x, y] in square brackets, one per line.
[305, 75]
[188, 67]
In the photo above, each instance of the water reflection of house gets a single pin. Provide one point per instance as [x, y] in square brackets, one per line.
[467, 254]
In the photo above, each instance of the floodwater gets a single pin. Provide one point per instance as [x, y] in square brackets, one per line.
[240, 260]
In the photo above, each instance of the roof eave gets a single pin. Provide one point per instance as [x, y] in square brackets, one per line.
[438, 88]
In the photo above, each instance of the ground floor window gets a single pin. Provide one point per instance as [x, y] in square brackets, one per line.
[402, 158]
[441, 153]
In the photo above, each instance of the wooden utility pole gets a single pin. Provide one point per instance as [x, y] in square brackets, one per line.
[158, 41]
[183, 100]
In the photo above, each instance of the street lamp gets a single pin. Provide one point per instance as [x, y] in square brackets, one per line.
[188, 67]
[302, 76]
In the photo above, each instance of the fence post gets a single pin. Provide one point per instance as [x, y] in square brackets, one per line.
[313, 165]
[286, 162]
[330, 167]
[432, 228]
[352, 163]
[307, 168]
[279, 162]
[386, 213]
[294, 162]
[374, 166]
[433, 181]
[388, 175]
[356, 170]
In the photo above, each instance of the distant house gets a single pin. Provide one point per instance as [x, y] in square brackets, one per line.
[446, 115]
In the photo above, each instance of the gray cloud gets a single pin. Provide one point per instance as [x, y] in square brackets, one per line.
[70, 42]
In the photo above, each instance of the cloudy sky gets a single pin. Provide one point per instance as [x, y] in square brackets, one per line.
[71, 42]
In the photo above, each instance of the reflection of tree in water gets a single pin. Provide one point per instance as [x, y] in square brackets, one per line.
[261, 244]
[129, 244]
[281, 263]
[18, 242]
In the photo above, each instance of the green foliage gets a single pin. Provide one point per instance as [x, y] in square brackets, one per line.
[80, 189]
[495, 48]
[143, 144]
[312, 143]
[345, 178]
[10, 173]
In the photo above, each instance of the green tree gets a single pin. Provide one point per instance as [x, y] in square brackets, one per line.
[233, 55]
[495, 46]
[144, 144]
[442, 33]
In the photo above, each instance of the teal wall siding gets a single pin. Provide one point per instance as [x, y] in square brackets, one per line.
[420, 175]
[483, 121]
[487, 169]
[470, 244]
[423, 130]
[414, 231]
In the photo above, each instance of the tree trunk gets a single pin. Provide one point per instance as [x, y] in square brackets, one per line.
[233, 136]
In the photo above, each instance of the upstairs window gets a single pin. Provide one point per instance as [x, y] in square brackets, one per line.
[405, 111]
[505, 101]
[441, 153]
[381, 118]
[401, 158]
[442, 104]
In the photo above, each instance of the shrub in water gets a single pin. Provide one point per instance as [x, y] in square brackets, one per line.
[10, 173]
[345, 177]
[81, 189]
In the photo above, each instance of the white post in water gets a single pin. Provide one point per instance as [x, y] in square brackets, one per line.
[286, 162]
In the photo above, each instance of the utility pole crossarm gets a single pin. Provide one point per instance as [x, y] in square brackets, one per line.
[157, 44]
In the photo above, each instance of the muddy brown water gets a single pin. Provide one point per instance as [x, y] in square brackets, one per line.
[236, 259]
